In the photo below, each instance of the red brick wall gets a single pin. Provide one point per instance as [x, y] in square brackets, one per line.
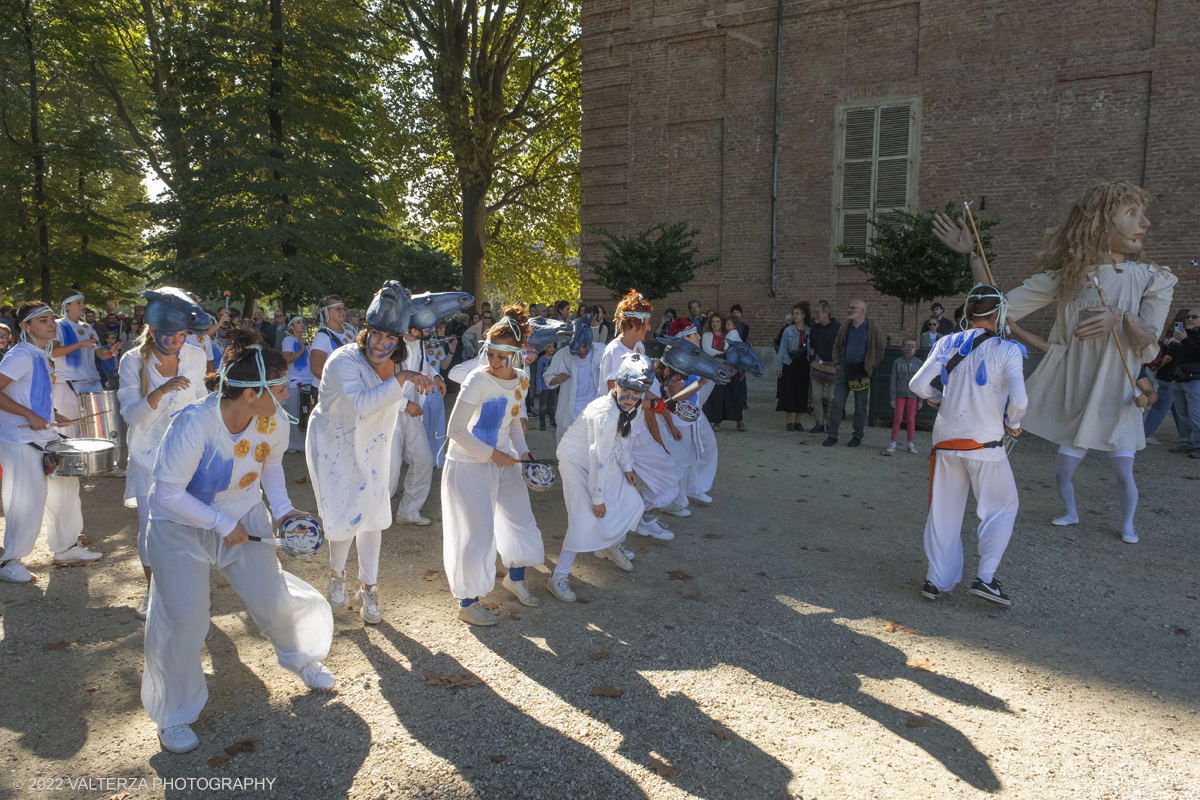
[1023, 102]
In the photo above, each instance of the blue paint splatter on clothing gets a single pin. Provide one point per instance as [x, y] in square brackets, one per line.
[39, 390]
[491, 416]
[356, 520]
[66, 334]
[212, 476]
[301, 362]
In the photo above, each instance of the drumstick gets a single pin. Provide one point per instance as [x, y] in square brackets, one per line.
[66, 424]
[1116, 339]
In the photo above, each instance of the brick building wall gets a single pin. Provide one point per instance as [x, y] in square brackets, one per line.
[1023, 102]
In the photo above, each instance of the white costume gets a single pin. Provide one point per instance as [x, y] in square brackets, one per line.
[582, 386]
[411, 442]
[651, 462]
[204, 344]
[592, 461]
[703, 469]
[972, 408]
[349, 453]
[327, 341]
[75, 373]
[1079, 395]
[299, 376]
[29, 494]
[434, 417]
[147, 426]
[486, 508]
[206, 481]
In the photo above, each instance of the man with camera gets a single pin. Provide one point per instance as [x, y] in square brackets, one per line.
[1185, 380]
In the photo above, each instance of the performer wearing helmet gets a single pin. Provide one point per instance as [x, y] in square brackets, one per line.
[159, 378]
[575, 372]
[651, 460]
[30, 495]
[349, 444]
[217, 458]
[485, 503]
[595, 459]
[980, 375]
[1110, 309]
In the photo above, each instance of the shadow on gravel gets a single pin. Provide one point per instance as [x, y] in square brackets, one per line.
[471, 724]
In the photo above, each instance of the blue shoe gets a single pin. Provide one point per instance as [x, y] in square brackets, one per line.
[553, 426]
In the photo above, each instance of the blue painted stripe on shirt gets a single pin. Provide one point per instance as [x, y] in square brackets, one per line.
[491, 417]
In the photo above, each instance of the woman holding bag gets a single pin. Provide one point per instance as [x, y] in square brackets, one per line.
[791, 367]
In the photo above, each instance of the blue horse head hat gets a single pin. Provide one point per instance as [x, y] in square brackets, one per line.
[390, 310]
[429, 309]
[688, 359]
[544, 331]
[740, 355]
[636, 372]
[170, 310]
[582, 334]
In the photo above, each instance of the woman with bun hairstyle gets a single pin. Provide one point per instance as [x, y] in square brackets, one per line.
[485, 503]
[26, 409]
[159, 378]
[218, 457]
[651, 460]
[349, 444]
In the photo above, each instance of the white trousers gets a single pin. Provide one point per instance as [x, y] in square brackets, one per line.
[368, 545]
[292, 406]
[660, 484]
[703, 470]
[31, 496]
[293, 615]
[485, 510]
[435, 427]
[996, 499]
[681, 455]
[143, 509]
[411, 443]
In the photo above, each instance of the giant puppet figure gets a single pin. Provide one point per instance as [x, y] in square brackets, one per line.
[1111, 304]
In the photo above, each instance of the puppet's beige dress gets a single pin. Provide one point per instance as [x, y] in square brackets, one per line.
[1079, 395]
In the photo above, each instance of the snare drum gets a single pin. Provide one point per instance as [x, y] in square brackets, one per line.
[78, 458]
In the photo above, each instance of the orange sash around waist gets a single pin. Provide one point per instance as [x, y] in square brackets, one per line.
[954, 444]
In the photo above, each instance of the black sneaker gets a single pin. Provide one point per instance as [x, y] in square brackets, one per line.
[990, 591]
[855, 442]
[830, 442]
[818, 428]
[930, 591]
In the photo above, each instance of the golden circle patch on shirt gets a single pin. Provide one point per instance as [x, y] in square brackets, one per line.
[266, 425]
[517, 394]
[261, 451]
[524, 383]
[201, 339]
[241, 448]
[516, 410]
[247, 479]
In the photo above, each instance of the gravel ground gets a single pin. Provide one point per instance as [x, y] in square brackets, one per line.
[778, 668]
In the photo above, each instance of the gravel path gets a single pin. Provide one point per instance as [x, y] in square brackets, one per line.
[779, 667]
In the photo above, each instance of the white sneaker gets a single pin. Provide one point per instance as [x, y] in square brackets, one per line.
[144, 609]
[627, 553]
[368, 601]
[561, 588]
[700, 497]
[178, 739]
[912, 448]
[74, 554]
[337, 592]
[317, 676]
[14, 572]
[676, 510]
[615, 555]
[476, 614]
[415, 519]
[521, 591]
[1129, 538]
[1152, 440]
[653, 527]
[891, 448]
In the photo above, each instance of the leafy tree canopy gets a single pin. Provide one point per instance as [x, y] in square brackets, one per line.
[657, 262]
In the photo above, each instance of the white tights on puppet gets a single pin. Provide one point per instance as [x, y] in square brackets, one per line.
[1121, 461]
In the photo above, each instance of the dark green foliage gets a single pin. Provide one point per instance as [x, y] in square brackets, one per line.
[906, 261]
[657, 262]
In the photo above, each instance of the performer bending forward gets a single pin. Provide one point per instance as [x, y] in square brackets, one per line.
[204, 506]
[485, 503]
[980, 373]
[595, 460]
[349, 444]
[1080, 396]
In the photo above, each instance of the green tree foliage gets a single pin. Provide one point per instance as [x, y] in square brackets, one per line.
[906, 261]
[657, 262]
[489, 130]
[67, 174]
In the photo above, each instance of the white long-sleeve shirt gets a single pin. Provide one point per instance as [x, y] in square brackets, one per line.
[973, 401]
[487, 416]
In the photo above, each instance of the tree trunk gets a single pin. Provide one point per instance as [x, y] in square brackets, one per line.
[39, 158]
[474, 240]
[275, 119]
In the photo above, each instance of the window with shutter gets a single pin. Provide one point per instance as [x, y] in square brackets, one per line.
[876, 167]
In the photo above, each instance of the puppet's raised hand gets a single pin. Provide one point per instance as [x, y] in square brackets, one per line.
[954, 235]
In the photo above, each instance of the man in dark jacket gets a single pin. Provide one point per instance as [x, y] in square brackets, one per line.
[857, 350]
[821, 337]
[1185, 382]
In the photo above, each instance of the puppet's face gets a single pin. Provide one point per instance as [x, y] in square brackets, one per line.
[1129, 229]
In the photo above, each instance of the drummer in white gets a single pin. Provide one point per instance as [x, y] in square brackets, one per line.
[297, 354]
[74, 365]
[25, 413]
[411, 442]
